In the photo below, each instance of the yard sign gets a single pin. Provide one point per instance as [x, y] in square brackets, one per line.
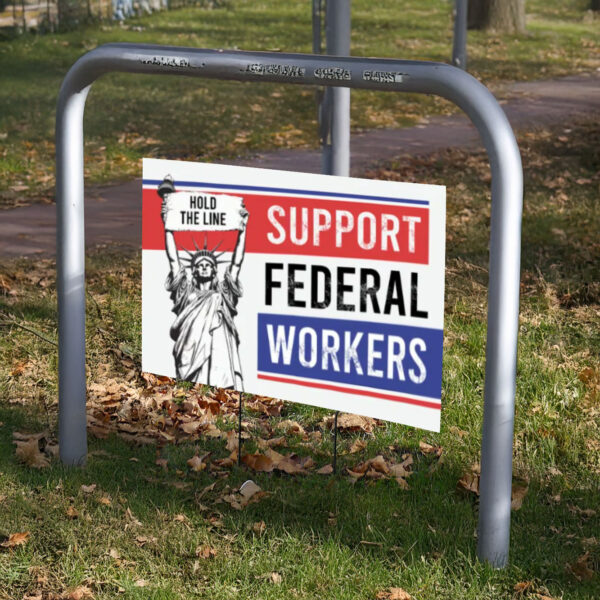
[322, 290]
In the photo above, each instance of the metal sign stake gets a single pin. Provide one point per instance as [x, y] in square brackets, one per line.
[239, 458]
[335, 432]
[339, 72]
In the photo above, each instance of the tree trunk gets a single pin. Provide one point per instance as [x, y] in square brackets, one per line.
[595, 4]
[505, 16]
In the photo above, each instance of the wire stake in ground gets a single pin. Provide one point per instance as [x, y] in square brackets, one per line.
[335, 430]
[240, 430]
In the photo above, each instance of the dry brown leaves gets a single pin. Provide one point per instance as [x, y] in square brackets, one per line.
[529, 589]
[350, 422]
[16, 539]
[581, 568]
[394, 593]
[197, 463]
[248, 493]
[271, 460]
[34, 449]
[470, 481]
[79, 593]
[428, 449]
[591, 379]
[157, 412]
[206, 552]
[380, 468]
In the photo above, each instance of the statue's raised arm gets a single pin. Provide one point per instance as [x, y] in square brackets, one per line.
[240, 247]
[164, 189]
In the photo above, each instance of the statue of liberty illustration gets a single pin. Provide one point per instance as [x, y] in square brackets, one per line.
[206, 340]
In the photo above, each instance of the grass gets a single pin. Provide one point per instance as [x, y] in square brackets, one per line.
[209, 120]
[324, 537]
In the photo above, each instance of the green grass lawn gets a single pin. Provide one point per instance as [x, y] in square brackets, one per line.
[128, 117]
[147, 532]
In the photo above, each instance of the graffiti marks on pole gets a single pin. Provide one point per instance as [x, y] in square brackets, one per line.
[291, 71]
[178, 62]
[333, 73]
[383, 76]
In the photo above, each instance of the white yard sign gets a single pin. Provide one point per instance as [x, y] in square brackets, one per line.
[316, 289]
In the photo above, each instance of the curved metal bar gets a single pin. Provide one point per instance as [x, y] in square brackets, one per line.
[392, 75]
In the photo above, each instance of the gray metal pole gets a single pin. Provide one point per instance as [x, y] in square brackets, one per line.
[459, 46]
[391, 75]
[71, 278]
[338, 44]
[316, 26]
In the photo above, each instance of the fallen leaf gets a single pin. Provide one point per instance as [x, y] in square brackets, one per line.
[402, 483]
[89, 489]
[291, 427]
[80, 592]
[276, 577]
[326, 470]
[232, 441]
[180, 518]
[142, 540]
[398, 470]
[163, 463]
[105, 500]
[28, 453]
[190, 427]
[258, 462]
[206, 552]
[469, 482]
[426, 448]
[259, 527]
[459, 432]
[394, 593]
[350, 422]
[522, 586]
[204, 491]
[357, 446]
[378, 464]
[16, 539]
[196, 463]
[591, 541]
[581, 568]
[519, 491]
[233, 501]
[585, 512]
[141, 583]
[132, 519]
[72, 512]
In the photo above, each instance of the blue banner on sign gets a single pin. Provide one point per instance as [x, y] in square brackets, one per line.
[395, 358]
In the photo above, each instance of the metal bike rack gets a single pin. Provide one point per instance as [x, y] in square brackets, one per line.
[391, 75]
[459, 43]
[334, 103]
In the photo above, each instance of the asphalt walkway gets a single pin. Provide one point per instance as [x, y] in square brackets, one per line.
[113, 213]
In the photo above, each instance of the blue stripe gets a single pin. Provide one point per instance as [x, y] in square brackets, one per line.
[254, 188]
[386, 379]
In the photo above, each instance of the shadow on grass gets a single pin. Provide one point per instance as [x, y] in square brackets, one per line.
[375, 520]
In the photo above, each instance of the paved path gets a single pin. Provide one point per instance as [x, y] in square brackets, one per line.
[113, 213]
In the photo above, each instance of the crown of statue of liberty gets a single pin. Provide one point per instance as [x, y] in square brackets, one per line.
[193, 258]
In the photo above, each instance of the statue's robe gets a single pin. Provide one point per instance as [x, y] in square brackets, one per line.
[206, 348]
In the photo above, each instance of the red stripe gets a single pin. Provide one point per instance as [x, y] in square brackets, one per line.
[260, 226]
[335, 388]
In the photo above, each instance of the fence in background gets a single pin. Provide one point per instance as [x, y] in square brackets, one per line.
[52, 15]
